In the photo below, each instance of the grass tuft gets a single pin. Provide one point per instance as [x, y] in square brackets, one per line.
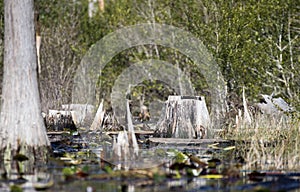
[268, 142]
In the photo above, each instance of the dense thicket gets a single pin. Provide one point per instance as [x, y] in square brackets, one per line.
[255, 43]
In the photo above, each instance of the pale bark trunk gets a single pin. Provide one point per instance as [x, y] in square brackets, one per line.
[21, 124]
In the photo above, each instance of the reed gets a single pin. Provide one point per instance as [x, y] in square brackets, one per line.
[268, 142]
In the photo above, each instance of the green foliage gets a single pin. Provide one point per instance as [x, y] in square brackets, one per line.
[255, 43]
[180, 157]
[15, 188]
[61, 50]
[108, 169]
[68, 171]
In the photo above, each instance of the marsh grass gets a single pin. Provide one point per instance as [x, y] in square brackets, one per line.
[268, 142]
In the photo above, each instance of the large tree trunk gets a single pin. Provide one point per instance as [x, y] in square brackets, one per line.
[184, 117]
[22, 129]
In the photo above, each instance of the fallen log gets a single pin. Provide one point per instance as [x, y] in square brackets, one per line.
[188, 142]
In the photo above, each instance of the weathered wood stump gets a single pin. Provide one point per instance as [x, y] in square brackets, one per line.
[82, 114]
[183, 117]
[57, 120]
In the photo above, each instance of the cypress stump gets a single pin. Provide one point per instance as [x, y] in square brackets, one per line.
[183, 117]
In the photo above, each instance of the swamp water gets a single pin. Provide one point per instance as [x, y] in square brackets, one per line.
[96, 169]
[93, 161]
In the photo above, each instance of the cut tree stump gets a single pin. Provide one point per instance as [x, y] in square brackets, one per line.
[183, 117]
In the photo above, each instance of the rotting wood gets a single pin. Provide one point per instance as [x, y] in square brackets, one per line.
[82, 114]
[99, 117]
[59, 121]
[179, 141]
[184, 117]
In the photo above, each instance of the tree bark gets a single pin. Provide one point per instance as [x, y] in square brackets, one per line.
[183, 117]
[22, 129]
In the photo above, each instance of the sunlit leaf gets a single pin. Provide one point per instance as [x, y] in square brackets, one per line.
[67, 171]
[177, 175]
[181, 157]
[217, 176]
[43, 185]
[214, 146]
[229, 148]
[108, 169]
